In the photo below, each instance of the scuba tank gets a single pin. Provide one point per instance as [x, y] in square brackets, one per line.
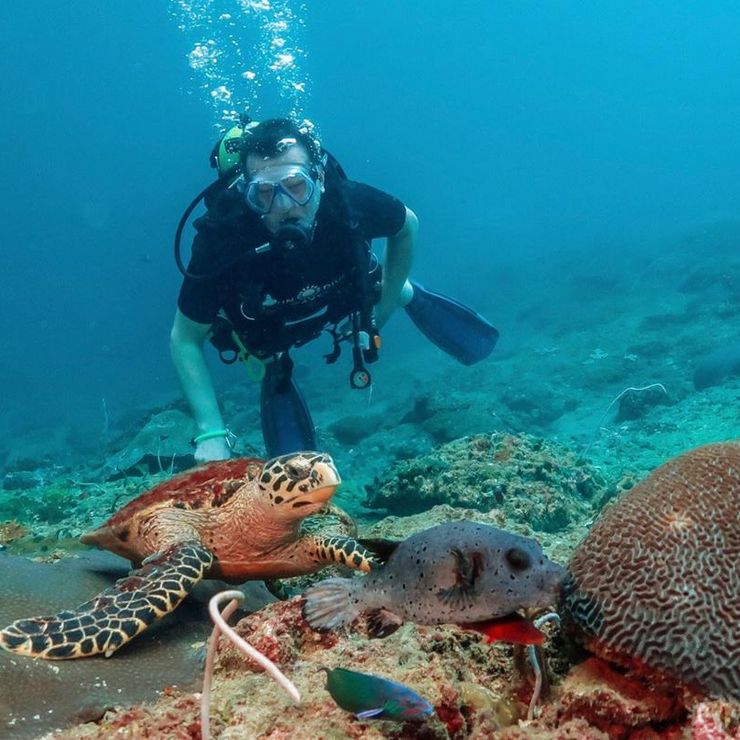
[225, 159]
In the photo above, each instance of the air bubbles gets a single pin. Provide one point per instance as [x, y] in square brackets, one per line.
[246, 49]
[203, 55]
[221, 94]
[282, 61]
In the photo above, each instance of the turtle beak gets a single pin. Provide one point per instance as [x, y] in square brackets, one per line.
[318, 486]
[319, 495]
[305, 504]
[323, 481]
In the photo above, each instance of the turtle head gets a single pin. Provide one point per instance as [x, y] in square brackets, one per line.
[298, 484]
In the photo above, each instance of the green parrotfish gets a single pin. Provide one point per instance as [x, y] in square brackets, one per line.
[374, 697]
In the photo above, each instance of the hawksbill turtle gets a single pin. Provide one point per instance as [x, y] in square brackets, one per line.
[235, 520]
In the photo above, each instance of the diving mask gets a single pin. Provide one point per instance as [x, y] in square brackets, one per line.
[293, 185]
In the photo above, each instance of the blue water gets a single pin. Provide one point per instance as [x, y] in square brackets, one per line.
[518, 132]
[575, 169]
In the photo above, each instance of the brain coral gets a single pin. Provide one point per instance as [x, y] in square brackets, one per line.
[655, 585]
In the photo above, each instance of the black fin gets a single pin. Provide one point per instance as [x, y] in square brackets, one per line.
[381, 623]
[468, 568]
[381, 548]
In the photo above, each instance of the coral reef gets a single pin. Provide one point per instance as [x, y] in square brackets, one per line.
[163, 444]
[716, 720]
[655, 585]
[477, 690]
[10, 531]
[526, 478]
[471, 685]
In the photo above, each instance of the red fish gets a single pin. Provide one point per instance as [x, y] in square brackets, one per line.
[511, 628]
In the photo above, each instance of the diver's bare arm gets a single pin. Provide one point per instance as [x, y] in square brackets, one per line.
[186, 347]
[399, 255]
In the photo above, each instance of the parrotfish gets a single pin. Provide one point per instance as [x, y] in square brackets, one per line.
[374, 697]
[458, 572]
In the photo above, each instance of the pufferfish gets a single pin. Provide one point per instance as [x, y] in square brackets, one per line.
[458, 572]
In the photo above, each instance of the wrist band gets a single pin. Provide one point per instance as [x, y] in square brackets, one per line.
[211, 435]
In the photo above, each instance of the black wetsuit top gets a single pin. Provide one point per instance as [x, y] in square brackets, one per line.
[262, 294]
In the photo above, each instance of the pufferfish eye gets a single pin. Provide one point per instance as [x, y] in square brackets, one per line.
[517, 559]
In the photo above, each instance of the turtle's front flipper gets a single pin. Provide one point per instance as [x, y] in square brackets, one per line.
[344, 551]
[349, 524]
[118, 614]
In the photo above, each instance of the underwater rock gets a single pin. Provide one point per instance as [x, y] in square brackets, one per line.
[530, 480]
[534, 408]
[446, 416]
[636, 404]
[664, 322]
[163, 445]
[10, 531]
[20, 480]
[349, 430]
[717, 366]
[615, 703]
[716, 720]
[655, 585]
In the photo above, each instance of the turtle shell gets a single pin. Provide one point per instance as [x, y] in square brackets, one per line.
[206, 487]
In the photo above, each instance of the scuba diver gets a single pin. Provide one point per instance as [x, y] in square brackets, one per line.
[283, 254]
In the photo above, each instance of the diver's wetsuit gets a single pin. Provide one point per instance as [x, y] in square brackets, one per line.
[264, 294]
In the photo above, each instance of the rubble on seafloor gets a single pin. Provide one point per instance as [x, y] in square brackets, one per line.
[470, 684]
[477, 690]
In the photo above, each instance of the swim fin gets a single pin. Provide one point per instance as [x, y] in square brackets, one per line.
[452, 326]
[286, 422]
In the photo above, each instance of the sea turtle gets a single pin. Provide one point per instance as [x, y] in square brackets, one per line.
[234, 520]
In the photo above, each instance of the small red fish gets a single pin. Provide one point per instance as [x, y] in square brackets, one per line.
[511, 628]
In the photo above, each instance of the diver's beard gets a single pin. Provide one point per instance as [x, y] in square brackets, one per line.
[293, 233]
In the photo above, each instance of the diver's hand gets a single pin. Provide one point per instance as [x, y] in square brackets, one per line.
[216, 448]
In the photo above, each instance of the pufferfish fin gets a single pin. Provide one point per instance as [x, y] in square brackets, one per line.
[468, 569]
[382, 622]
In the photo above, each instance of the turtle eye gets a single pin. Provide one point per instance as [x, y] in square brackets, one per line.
[518, 559]
[296, 469]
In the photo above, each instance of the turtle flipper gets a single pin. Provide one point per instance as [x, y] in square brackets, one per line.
[330, 509]
[344, 551]
[116, 615]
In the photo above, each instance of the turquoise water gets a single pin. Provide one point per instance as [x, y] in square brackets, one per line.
[574, 168]
[529, 140]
